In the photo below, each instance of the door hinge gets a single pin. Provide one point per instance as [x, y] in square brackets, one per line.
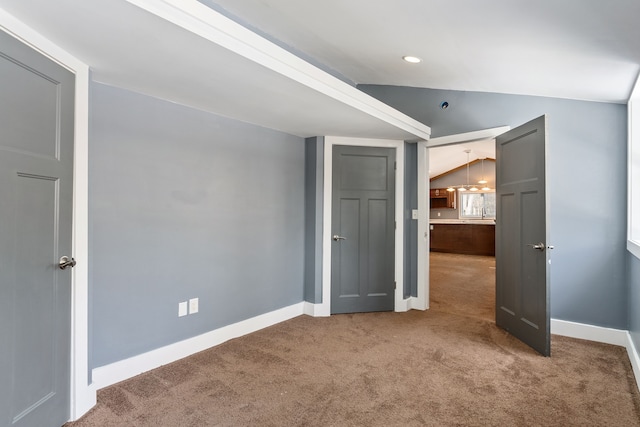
[395, 165]
[395, 285]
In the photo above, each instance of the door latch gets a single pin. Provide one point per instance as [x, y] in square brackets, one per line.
[65, 262]
[539, 246]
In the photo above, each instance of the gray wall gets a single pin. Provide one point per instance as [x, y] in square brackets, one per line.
[187, 204]
[587, 177]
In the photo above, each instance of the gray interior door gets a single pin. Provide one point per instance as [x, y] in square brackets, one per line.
[363, 229]
[522, 276]
[36, 190]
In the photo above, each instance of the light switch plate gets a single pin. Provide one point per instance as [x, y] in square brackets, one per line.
[193, 305]
[414, 213]
[182, 309]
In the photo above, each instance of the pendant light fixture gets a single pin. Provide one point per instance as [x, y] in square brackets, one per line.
[468, 187]
[463, 187]
[483, 181]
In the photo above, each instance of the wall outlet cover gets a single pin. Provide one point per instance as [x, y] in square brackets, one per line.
[193, 305]
[182, 309]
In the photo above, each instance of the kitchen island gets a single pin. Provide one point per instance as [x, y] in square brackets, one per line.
[463, 236]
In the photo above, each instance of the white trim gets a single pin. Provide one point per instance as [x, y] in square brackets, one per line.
[462, 138]
[83, 395]
[633, 171]
[634, 248]
[421, 302]
[107, 375]
[400, 303]
[589, 332]
[599, 334]
[315, 310]
[634, 358]
[217, 28]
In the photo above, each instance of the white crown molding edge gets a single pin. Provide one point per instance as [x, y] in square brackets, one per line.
[199, 19]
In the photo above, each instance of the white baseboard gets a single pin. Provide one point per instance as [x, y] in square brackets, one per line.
[316, 310]
[634, 358]
[589, 332]
[417, 304]
[115, 372]
[599, 334]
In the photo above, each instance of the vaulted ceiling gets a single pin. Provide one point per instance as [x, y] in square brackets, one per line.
[194, 53]
[577, 49]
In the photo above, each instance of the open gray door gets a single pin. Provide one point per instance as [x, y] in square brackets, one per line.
[36, 200]
[363, 223]
[522, 276]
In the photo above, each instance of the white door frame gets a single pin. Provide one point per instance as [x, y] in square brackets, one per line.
[324, 309]
[422, 301]
[83, 395]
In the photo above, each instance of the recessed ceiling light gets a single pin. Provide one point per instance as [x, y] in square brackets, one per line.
[412, 59]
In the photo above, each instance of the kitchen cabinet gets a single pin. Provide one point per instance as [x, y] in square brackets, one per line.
[468, 239]
[442, 199]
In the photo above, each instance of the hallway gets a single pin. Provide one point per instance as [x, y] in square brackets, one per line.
[463, 284]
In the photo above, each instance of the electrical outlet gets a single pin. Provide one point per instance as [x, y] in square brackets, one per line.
[182, 309]
[193, 305]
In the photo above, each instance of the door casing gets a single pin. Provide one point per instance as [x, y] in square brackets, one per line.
[358, 206]
[83, 395]
[324, 308]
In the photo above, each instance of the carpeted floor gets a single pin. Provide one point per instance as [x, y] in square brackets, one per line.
[448, 366]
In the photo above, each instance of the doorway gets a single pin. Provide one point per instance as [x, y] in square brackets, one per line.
[363, 224]
[423, 187]
[462, 229]
[400, 303]
[521, 234]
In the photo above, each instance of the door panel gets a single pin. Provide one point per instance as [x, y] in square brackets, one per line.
[36, 189]
[40, 98]
[378, 238]
[363, 216]
[522, 277]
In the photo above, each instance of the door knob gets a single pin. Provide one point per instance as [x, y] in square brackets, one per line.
[336, 237]
[65, 262]
[540, 246]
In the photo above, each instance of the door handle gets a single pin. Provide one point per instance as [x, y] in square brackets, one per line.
[65, 262]
[540, 246]
[336, 237]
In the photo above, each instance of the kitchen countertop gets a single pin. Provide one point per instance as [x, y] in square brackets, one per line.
[462, 221]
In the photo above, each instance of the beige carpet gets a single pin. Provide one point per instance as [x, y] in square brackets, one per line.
[449, 366]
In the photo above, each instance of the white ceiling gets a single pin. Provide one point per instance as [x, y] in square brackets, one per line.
[445, 158]
[580, 49]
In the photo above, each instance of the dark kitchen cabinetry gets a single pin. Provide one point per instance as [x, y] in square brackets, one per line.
[442, 199]
[468, 239]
